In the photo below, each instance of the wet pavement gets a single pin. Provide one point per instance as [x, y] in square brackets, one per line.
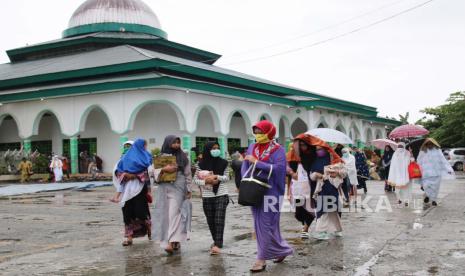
[80, 233]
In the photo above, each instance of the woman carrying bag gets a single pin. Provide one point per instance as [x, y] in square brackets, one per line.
[268, 161]
[211, 175]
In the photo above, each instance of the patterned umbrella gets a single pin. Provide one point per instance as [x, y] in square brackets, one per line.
[407, 131]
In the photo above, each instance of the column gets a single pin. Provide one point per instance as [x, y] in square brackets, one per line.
[122, 140]
[288, 143]
[223, 142]
[251, 140]
[73, 149]
[186, 145]
[27, 146]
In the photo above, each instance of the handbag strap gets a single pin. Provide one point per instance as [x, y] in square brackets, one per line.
[251, 168]
[271, 171]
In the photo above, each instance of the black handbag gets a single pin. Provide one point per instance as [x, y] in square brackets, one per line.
[252, 190]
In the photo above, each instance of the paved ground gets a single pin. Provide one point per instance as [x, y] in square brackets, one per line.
[80, 233]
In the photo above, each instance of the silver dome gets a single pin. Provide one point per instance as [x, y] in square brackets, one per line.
[114, 11]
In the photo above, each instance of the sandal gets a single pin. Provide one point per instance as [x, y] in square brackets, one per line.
[257, 269]
[279, 260]
[127, 243]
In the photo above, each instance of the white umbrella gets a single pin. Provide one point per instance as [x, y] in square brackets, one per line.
[331, 136]
[382, 143]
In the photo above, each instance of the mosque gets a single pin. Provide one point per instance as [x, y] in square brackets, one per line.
[114, 75]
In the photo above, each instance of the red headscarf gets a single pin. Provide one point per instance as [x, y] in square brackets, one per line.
[293, 154]
[263, 151]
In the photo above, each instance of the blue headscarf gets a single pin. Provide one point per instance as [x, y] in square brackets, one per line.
[136, 160]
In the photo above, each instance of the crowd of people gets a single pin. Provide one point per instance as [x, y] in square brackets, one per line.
[320, 179]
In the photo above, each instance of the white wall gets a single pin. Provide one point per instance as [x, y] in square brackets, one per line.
[155, 121]
[205, 126]
[108, 148]
[49, 129]
[9, 132]
[238, 130]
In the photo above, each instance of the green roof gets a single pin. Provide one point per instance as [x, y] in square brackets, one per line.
[122, 67]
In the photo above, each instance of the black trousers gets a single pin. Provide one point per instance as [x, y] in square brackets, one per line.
[215, 211]
[302, 215]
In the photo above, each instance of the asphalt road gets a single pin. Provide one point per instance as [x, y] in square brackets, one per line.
[80, 233]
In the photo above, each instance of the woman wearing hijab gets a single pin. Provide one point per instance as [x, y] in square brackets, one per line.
[327, 194]
[350, 165]
[398, 174]
[133, 191]
[57, 167]
[363, 172]
[211, 174]
[268, 156]
[313, 155]
[386, 164]
[170, 220]
[434, 167]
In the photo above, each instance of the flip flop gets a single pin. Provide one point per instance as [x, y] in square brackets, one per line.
[280, 260]
[257, 269]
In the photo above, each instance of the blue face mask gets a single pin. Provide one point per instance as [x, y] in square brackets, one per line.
[215, 153]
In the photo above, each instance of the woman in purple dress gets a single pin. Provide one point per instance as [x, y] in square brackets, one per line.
[268, 156]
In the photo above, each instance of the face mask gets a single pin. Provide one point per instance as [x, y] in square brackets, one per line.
[262, 138]
[345, 155]
[215, 153]
[321, 153]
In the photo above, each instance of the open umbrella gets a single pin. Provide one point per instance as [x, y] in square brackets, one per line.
[407, 131]
[331, 136]
[382, 143]
[415, 146]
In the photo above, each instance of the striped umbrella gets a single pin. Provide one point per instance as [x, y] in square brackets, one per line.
[382, 143]
[407, 131]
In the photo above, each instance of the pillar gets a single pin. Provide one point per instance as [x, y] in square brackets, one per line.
[73, 149]
[223, 142]
[27, 146]
[251, 140]
[288, 143]
[122, 140]
[186, 145]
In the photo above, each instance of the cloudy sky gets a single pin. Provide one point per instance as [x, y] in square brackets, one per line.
[403, 64]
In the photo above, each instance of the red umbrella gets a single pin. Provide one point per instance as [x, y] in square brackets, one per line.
[407, 131]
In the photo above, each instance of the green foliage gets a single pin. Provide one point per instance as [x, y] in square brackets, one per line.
[156, 152]
[447, 122]
[40, 164]
[404, 118]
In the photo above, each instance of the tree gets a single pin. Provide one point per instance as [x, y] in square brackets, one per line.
[404, 118]
[446, 123]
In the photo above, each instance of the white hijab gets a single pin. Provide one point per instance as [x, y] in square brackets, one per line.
[398, 173]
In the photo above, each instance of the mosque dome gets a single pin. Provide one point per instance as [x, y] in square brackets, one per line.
[114, 16]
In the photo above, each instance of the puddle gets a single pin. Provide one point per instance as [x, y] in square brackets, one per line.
[295, 241]
[365, 269]
[458, 255]
[365, 246]
[242, 237]
[417, 226]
